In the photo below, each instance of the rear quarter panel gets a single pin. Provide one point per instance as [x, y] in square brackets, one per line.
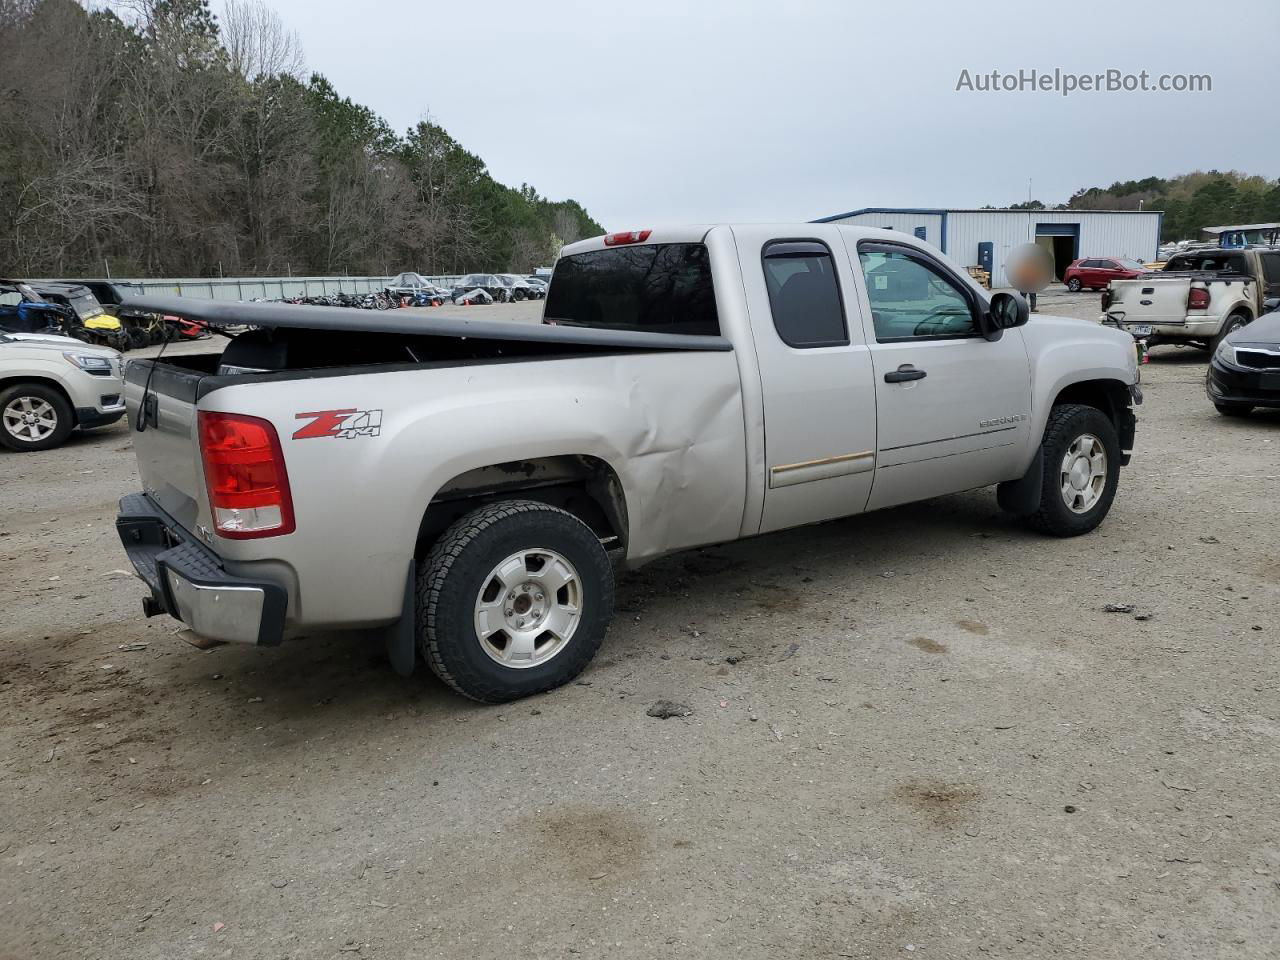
[669, 424]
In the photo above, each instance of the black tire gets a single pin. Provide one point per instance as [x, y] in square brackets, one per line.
[1067, 423]
[1229, 326]
[451, 580]
[64, 417]
[518, 295]
[1074, 284]
[1233, 409]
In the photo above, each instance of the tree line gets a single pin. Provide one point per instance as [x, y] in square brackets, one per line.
[1191, 201]
[151, 138]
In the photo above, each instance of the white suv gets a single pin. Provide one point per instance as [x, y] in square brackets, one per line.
[50, 385]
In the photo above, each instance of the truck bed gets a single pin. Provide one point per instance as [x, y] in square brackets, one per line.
[434, 399]
[267, 316]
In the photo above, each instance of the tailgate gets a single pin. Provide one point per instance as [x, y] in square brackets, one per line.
[1149, 301]
[167, 448]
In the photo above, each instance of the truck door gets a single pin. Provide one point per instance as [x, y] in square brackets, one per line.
[953, 408]
[815, 375]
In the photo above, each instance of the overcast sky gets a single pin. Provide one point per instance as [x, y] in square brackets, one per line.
[648, 113]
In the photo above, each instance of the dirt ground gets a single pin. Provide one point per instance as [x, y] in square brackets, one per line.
[914, 733]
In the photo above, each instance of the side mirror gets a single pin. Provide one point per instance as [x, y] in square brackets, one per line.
[1007, 310]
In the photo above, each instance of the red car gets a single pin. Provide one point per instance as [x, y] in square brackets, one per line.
[1094, 273]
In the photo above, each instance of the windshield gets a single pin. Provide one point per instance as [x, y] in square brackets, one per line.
[474, 280]
[86, 306]
[1131, 265]
[661, 287]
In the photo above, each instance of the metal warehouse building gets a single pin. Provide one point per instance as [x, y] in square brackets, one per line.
[985, 237]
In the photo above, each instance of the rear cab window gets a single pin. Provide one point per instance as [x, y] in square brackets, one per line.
[1214, 262]
[655, 287]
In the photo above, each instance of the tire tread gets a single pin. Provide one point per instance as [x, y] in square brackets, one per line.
[441, 559]
[1045, 518]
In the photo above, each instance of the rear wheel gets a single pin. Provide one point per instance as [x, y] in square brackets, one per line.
[1074, 284]
[514, 599]
[1229, 326]
[34, 417]
[1081, 470]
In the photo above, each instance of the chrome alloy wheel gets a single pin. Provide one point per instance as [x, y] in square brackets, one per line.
[528, 608]
[29, 419]
[1083, 474]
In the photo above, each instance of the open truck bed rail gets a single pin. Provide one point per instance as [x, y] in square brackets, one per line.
[219, 313]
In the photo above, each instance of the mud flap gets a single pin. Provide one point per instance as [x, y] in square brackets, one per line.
[402, 636]
[1021, 497]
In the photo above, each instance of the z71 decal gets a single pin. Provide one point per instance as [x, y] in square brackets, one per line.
[346, 424]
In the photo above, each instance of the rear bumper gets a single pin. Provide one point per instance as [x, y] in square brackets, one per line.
[1189, 328]
[188, 582]
[1234, 385]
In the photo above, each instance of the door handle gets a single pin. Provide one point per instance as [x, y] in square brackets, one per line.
[904, 373]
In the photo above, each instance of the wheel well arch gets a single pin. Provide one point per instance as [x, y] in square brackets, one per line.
[1110, 396]
[7, 382]
[585, 486]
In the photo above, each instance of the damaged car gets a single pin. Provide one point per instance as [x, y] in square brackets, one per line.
[491, 284]
[466, 486]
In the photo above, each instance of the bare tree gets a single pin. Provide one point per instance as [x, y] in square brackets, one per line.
[567, 227]
[149, 134]
[258, 43]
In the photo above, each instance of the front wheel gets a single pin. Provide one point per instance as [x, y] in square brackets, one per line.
[1074, 284]
[514, 599]
[1081, 471]
[34, 417]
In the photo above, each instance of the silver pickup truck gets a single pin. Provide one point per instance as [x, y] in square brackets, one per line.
[468, 486]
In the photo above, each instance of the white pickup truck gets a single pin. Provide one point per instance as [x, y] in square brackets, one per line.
[1200, 297]
[468, 486]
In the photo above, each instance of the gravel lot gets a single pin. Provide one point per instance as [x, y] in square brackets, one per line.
[914, 732]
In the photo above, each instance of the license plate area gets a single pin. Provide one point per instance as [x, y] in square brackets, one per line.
[1269, 381]
[1139, 329]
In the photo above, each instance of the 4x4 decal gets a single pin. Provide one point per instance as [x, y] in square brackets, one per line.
[346, 424]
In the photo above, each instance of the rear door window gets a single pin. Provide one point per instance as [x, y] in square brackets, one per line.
[655, 287]
[804, 294]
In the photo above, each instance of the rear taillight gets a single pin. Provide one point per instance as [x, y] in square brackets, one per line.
[625, 237]
[245, 474]
[1106, 298]
[1198, 298]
